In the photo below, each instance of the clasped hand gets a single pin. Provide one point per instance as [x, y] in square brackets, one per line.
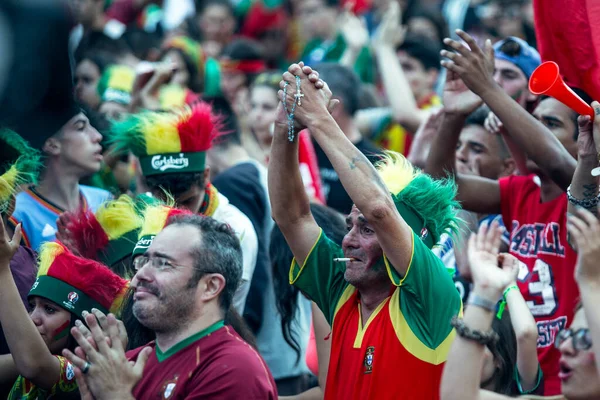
[316, 100]
[108, 374]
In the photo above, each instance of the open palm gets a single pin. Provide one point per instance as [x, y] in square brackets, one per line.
[489, 269]
[457, 96]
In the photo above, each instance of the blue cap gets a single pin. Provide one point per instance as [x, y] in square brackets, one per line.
[527, 60]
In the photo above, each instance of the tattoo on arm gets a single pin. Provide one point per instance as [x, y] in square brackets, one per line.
[361, 158]
[590, 190]
[355, 160]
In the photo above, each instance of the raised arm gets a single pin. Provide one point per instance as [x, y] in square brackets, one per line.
[389, 35]
[476, 67]
[290, 206]
[526, 333]
[584, 228]
[358, 176]
[584, 187]
[31, 356]
[475, 193]
[465, 360]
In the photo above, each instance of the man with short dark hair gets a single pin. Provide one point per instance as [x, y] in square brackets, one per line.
[71, 154]
[182, 291]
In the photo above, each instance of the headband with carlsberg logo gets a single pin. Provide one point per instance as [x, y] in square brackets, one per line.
[155, 218]
[168, 142]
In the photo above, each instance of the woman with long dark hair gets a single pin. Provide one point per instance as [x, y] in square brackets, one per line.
[293, 310]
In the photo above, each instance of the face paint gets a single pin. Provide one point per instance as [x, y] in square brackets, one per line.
[62, 331]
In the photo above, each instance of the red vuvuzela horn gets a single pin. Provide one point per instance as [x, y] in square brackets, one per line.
[546, 80]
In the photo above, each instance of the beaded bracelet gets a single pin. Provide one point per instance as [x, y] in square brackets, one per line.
[585, 203]
[484, 338]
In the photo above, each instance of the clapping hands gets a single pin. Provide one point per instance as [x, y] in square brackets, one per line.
[492, 272]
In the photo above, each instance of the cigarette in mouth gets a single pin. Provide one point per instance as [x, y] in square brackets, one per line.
[343, 259]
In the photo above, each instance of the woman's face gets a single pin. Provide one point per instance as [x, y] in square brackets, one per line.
[578, 370]
[52, 322]
[181, 75]
[263, 111]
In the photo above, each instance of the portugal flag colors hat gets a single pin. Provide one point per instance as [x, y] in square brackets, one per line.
[155, 218]
[76, 284]
[168, 142]
[110, 234]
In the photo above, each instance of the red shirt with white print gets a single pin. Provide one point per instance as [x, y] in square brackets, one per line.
[538, 238]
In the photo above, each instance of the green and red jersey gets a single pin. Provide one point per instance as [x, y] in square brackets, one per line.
[400, 351]
[212, 364]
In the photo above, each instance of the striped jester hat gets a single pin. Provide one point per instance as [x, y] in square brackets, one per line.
[116, 84]
[19, 165]
[76, 284]
[155, 218]
[168, 142]
[109, 235]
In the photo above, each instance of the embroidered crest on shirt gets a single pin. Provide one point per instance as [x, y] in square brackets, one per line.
[369, 359]
[169, 388]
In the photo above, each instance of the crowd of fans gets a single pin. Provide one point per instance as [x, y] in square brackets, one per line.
[297, 199]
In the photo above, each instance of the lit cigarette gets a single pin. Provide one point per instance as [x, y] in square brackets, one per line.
[343, 259]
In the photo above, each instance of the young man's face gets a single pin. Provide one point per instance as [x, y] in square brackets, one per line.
[478, 153]
[513, 81]
[559, 119]
[78, 146]
[421, 81]
[217, 24]
[315, 18]
[87, 76]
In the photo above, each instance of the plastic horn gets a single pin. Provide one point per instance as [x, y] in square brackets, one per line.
[546, 80]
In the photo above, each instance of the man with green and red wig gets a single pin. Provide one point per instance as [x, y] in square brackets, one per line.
[171, 147]
[67, 287]
[389, 299]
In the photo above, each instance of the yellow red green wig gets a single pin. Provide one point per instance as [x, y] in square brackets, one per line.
[169, 142]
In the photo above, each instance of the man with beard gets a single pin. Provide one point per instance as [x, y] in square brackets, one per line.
[387, 296]
[182, 291]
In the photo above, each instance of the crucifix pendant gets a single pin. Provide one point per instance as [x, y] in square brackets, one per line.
[298, 96]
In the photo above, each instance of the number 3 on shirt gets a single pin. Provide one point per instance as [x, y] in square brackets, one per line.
[543, 288]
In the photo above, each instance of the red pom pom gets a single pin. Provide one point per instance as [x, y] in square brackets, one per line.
[198, 128]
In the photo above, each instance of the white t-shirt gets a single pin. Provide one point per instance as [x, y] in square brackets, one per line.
[242, 226]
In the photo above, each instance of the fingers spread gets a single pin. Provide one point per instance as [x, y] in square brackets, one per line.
[469, 41]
